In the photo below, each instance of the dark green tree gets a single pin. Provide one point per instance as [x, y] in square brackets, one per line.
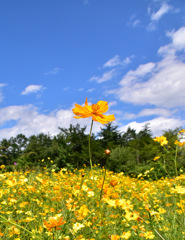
[143, 145]
[109, 136]
[128, 136]
[76, 139]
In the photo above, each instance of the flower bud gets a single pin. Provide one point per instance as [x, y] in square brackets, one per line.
[107, 152]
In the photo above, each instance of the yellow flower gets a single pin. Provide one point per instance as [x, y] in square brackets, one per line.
[2, 166]
[77, 226]
[180, 144]
[115, 237]
[95, 111]
[162, 140]
[182, 131]
[149, 235]
[156, 158]
[126, 235]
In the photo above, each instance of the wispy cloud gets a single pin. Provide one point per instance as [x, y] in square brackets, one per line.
[155, 16]
[53, 71]
[113, 62]
[91, 90]
[105, 77]
[116, 61]
[1, 94]
[165, 8]
[162, 112]
[113, 103]
[32, 89]
[133, 21]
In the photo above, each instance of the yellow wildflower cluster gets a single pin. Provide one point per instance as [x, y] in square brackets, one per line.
[162, 140]
[67, 206]
[180, 144]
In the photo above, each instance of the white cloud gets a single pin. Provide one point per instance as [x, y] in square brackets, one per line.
[105, 77]
[162, 112]
[32, 89]
[53, 71]
[178, 38]
[165, 87]
[157, 125]
[1, 94]
[165, 8]
[29, 121]
[155, 111]
[161, 84]
[14, 113]
[142, 71]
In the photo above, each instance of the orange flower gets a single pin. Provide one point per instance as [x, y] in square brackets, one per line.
[95, 111]
[54, 222]
[113, 183]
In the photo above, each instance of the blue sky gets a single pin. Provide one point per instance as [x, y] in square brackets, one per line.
[55, 53]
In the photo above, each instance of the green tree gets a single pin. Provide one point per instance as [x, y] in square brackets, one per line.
[128, 136]
[76, 139]
[122, 159]
[109, 136]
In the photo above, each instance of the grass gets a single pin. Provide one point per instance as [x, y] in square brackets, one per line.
[70, 206]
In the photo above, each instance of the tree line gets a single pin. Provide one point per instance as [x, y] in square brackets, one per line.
[131, 152]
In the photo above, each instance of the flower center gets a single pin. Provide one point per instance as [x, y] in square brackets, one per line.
[95, 108]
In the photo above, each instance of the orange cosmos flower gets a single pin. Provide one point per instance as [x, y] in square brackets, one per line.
[95, 111]
[113, 183]
[54, 222]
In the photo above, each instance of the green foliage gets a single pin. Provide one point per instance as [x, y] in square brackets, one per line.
[109, 136]
[132, 152]
[122, 159]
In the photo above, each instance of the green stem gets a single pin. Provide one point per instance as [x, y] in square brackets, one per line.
[175, 160]
[101, 192]
[103, 181]
[17, 225]
[90, 148]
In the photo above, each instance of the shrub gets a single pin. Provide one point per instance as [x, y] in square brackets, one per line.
[122, 159]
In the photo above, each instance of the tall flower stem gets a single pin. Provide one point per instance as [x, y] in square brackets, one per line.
[101, 192]
[175, 160]
[90, 155]
[103, 180]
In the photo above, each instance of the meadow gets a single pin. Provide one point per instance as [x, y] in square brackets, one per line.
[80, 206]
[51, 203]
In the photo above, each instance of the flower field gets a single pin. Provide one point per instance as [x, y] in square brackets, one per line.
[73, 206]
